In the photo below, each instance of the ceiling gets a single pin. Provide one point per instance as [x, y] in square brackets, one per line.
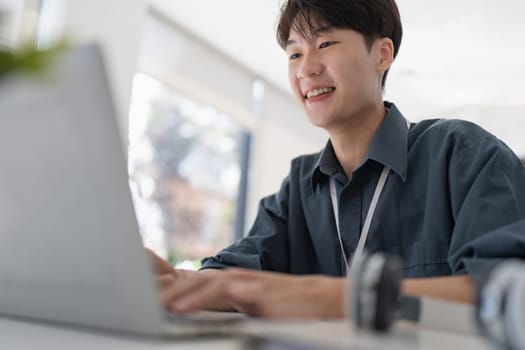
[458, 58]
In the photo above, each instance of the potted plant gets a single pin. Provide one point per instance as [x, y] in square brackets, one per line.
[26, 57]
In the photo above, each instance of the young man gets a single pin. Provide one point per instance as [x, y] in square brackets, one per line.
[445, 191]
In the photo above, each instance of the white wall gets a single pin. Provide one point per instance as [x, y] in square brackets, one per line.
[117, 26]
[182, 61]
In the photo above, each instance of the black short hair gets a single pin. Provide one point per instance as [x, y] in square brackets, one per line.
[374, 19]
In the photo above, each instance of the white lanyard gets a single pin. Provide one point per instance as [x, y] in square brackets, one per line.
[368, 221]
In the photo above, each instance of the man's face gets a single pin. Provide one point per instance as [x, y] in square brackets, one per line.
[334, 76]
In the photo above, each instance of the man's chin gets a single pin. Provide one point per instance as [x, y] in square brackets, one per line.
[319, 121]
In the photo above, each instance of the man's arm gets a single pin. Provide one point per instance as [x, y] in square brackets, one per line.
[277, 295]
[268, 294]
[451, 288]
[324, 297]
[287, 296]
[487, 200]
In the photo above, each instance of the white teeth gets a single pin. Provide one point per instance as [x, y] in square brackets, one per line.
[318, 92]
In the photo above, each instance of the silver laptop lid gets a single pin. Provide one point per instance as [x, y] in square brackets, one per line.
[70, 248]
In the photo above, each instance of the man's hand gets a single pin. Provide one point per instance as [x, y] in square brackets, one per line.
[160, 265]
[165, 273]
[277, 295]
[256, 293]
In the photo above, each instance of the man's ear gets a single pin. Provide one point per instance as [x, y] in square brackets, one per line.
[385, 51]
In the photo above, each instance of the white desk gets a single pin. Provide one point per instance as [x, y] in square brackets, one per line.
[21, 335]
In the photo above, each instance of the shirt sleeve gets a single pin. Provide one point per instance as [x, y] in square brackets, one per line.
[488, 203]
[266, 245]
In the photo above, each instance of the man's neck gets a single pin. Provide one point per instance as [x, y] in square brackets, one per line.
[352, 141]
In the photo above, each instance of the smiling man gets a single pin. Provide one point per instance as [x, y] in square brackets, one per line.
[444, 195]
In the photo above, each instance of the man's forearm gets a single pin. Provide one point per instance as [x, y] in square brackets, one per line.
[452, 288]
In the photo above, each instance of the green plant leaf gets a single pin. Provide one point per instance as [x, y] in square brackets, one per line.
[28, 59]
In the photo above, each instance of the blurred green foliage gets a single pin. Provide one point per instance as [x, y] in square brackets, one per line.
[25, 58]
[28, 59]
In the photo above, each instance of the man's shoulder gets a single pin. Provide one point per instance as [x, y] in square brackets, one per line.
[451, 131]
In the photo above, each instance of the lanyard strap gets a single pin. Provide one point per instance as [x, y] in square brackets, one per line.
[368, 221]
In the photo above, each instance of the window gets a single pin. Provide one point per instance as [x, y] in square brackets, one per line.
[185, 164]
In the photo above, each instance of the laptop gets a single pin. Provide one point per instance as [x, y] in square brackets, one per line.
[70, 246]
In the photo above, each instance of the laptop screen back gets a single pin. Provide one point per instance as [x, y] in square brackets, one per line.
[70, 248]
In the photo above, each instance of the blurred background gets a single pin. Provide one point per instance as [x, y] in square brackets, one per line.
[206, 113]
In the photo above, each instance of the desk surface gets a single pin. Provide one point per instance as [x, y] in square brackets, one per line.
[15, 334]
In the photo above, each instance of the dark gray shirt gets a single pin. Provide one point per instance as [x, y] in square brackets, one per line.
[452, 204]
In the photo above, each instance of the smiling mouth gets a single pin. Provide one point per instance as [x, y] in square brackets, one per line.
[318, 92]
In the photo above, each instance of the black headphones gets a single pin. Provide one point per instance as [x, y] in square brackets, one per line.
[376, 299]
[376, 292]
[500, 305]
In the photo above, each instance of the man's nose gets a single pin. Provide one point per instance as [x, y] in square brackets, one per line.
[311, 66]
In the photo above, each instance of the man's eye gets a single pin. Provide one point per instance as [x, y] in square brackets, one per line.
[326, 44]
[295, 56]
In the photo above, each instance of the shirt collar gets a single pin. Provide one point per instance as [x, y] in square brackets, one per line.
[388, 147]
[327, 164]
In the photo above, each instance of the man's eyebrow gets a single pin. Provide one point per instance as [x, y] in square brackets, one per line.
[289, 43]
[316, 32]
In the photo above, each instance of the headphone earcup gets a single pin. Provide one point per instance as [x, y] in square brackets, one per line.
[514, 312]
[388, 294]
[500, 306]
[376, 292]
